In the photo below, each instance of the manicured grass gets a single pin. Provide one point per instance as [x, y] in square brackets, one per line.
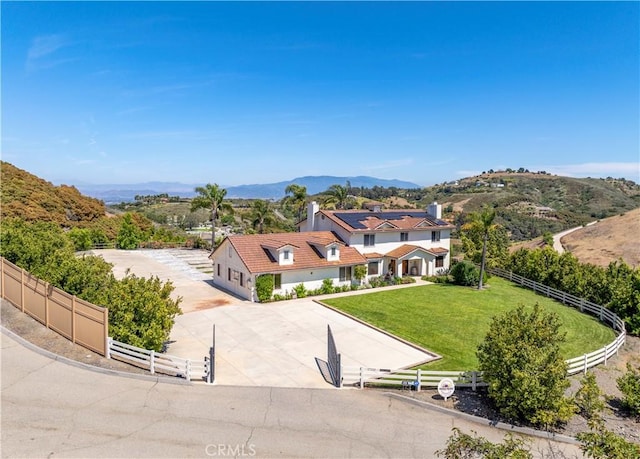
[452, 321]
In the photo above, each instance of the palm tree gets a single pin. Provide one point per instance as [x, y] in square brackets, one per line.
[484, 220]
[338, 195]
[298, 198]
[211, 197]
[261, 214]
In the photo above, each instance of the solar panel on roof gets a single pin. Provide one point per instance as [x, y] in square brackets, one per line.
[354, 219]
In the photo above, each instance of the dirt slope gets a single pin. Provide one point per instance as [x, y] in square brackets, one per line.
[608, 240]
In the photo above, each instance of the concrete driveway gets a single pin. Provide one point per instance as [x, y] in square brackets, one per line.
[274, 344]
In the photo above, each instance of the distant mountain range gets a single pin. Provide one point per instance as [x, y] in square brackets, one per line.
[112, 194]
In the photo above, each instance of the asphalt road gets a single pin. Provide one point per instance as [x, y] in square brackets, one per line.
[53, 409]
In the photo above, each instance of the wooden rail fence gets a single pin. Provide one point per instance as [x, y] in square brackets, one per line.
[157, 362]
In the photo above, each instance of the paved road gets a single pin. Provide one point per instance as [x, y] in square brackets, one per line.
[52, 409]
[274, 344]
[557, 238]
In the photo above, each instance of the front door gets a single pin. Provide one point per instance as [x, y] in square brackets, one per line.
[405, 267]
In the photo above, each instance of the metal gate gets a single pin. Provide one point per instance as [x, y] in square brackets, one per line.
[210, 361]
[333, 360]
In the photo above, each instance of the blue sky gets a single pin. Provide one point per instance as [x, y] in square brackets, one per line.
[241, 92]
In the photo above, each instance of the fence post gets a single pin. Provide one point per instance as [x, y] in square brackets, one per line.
[585, 364]
[605, 354]
[46, 303]
[188, 370]
[419, 375]
[152, 363]
[109, 343]
[105, 322]
[1, 277]
[340, 378]
[73, 319]
[474, 380]
[21, 289]
[361, 378]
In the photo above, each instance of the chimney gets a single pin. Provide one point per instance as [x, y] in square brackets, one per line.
[312, 209]
[435, 210]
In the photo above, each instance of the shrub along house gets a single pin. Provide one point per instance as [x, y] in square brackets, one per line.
[291, 258]
[331, 244]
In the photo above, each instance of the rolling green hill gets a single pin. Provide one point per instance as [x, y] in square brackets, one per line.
[529, 204]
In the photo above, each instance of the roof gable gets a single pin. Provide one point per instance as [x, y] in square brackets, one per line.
[254, 253]
[385, 220]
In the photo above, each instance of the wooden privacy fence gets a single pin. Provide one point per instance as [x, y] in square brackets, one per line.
[157, 362]
[415, 379]
[77, 320]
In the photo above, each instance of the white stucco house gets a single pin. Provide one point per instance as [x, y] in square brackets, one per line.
[330, 244]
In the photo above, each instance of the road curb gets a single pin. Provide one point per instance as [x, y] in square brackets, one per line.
[486, 422]
[85, 366]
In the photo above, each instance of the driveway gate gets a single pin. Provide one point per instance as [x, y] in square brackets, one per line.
[333, 360]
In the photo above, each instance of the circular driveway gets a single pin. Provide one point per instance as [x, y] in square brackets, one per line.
[274, 344]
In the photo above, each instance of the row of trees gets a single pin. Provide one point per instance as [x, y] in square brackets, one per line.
[263, 214]
[617, 287]
[141, 311]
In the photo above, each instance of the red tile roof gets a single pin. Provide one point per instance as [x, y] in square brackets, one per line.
[406, 249]
[251, 249]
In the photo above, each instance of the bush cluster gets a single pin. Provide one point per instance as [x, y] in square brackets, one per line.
[616, 287]
[141, 311]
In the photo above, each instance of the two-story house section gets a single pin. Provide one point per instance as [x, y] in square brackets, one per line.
[394, 242]
[291, 258]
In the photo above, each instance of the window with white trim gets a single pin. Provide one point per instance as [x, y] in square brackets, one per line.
[277, 281]
[435, 236]
[404, 237]
[345, 273]
[372, 268]
[369, 240]
[439, 262]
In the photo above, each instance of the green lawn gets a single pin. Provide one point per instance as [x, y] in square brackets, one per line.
[452, 321]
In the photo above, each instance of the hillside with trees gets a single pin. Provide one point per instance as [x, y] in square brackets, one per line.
[529, 204]
[33, 199]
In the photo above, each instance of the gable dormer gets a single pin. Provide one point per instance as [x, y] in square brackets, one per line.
[280, 252]
[386, 225]
[424, 224]
[330, 251]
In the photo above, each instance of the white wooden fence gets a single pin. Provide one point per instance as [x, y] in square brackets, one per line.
[157, 362]
[416, 379]
[410, 379]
